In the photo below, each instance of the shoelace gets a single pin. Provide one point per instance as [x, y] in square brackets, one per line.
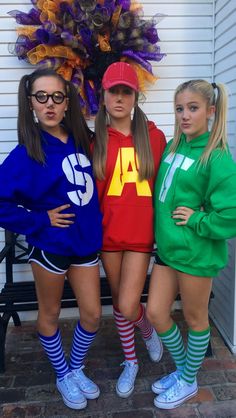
[151, 344]
[173, 375]
[83, 380]
[70, 385]
[165, 379]
[173, 390]
[129, 371]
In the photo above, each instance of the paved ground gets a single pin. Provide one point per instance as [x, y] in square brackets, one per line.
[27, 388]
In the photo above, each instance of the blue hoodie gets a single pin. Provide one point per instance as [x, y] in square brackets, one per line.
[29, 189]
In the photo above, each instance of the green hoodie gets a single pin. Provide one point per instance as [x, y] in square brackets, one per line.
[198, 248]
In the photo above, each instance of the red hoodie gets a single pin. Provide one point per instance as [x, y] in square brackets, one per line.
[127, 203]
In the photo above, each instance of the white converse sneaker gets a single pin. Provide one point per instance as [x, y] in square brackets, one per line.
[125, 383]
[88, 388]
[70, 393]
[165, 382]
[176, 395]
[154, 347]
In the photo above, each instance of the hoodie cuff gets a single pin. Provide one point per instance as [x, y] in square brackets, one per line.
[42, 219]
[195, 218]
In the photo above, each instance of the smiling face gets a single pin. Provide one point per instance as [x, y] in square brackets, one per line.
[192, 113]
[49, 114]
[119, 102]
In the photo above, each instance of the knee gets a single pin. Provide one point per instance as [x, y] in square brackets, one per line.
[128, 311]
[49, 316]
[96, 317]
[154, 317]
[159, 319]
[47, 321]
[196, 320]
[151, 315]
[90, 320]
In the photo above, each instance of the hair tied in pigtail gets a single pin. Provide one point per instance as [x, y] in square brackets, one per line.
[27, 89]
[214, 85]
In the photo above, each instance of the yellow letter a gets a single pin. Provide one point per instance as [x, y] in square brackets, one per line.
[128, 174]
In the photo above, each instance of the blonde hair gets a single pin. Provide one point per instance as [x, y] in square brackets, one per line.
[141, 139]
[215, 95]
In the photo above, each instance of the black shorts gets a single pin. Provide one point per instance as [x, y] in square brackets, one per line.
[59, 264]
[158, 261]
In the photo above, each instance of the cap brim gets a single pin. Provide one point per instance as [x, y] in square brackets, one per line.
[108, 84]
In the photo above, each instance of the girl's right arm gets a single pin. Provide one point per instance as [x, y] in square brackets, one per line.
[14, 175]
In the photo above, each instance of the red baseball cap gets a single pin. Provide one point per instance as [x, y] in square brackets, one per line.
[120, 73]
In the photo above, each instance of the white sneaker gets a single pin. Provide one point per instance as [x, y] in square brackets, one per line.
[125, 383]
[70, 393]
[176, 395]
[88, 388]
[154, 347]
[165, 382]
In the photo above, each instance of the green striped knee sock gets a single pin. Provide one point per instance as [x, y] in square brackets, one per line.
[196, 350]
[174, 342]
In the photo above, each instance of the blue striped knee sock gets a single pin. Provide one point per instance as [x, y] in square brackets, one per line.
[53, 348]
[81, 342]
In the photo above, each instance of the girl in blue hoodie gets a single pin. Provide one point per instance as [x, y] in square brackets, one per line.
[47, 193]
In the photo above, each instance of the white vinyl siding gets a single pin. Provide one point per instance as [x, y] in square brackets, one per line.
[223, 309]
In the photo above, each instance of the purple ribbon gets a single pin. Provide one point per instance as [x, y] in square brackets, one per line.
[91, 97]
[31, 18]
[45, 37]
[135, 56]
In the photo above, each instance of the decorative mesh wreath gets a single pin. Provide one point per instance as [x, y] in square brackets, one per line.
[81, 38]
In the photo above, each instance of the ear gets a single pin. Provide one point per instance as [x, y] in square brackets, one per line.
[211, 111]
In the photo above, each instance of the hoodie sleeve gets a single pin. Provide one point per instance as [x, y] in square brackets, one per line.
[219, 222]
[14, 214]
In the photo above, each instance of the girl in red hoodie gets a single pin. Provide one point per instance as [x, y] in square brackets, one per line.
[127, 153]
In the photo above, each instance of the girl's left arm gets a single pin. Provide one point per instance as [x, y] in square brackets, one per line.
[220, 221]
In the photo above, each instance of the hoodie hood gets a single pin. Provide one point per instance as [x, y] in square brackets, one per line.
[198, 142]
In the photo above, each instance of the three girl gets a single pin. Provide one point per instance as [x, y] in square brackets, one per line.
[195, 212]
[47, 192]
[126, 157]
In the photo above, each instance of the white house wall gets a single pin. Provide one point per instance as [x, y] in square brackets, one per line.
[186, 37]
[223, 310]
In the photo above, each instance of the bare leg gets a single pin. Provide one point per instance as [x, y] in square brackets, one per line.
[195, 293]
[49, 289]
[163, 290]
[112, 262]
[85, 283]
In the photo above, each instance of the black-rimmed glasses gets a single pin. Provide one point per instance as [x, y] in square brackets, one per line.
[42, 97]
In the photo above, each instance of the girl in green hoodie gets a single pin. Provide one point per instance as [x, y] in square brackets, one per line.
[195, 212]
